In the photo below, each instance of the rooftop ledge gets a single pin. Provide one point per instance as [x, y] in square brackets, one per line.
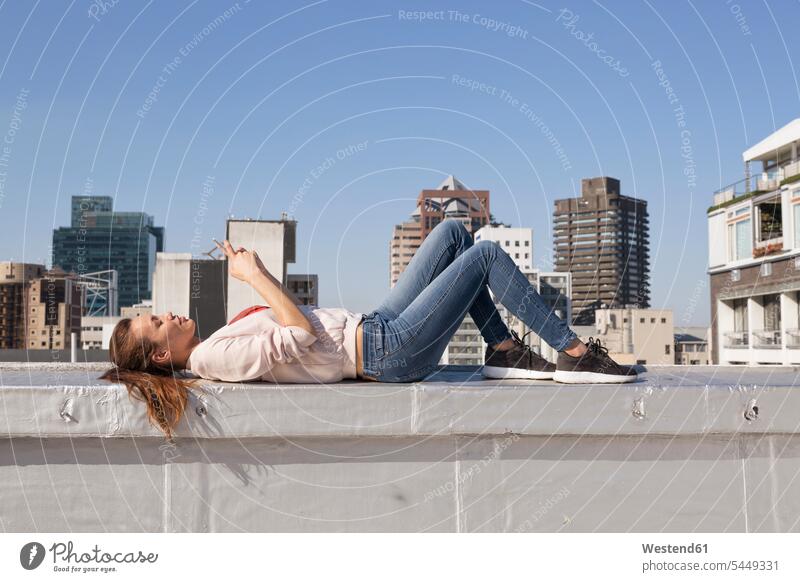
[700, 449]
[62, 400]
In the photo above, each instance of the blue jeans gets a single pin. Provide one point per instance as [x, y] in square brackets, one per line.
[404, 338]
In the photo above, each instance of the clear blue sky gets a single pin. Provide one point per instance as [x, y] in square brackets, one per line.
[266, 95]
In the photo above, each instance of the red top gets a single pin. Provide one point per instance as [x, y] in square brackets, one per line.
[248, 311]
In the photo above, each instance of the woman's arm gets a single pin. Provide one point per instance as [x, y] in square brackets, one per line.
[246, 266]
[286, 291]
[280, 299]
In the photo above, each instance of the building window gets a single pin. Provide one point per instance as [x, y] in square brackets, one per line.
[772, 312]
[796, 213]
[736, 275]
[740, 240]
[663, 320]
[666, 350]
[740, 315]
[641, 320]
[766, 269]
[652, 320]
[770, 221]
[516, 243]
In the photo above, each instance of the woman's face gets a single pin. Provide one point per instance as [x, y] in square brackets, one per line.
[172, 334]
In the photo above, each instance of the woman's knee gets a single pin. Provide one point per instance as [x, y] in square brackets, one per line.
[488, 246]
[452, 226]
[451, 229]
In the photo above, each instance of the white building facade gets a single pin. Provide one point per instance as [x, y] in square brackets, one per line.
[516, 241]
[754, 257]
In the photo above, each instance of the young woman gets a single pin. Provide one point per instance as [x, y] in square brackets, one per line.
[400, 341]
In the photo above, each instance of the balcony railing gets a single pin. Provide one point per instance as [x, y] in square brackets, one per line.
[732, 191]
[767, 338]
[793, 338]
[760, 182]
[737, 339]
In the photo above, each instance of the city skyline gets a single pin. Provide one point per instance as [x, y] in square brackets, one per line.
[340, 114]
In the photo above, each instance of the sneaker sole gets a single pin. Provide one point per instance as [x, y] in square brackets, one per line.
[566, 377]
[515, 373]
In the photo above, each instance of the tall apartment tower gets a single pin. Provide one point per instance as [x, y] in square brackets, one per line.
[100, 239]
[15, 282]
[602, 238]
[450, 200]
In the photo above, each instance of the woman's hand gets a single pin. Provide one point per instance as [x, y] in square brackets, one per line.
[242, 264]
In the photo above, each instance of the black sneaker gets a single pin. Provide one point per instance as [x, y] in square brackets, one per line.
[593, 367]
[518, 362]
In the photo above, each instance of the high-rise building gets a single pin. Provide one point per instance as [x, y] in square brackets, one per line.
[602, 238]
[15, 281]
[100, 239]
[754, 257]
[450, 200]
[405, 241]
[54, 311]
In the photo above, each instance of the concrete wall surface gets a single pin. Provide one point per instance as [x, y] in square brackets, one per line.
[696, 448]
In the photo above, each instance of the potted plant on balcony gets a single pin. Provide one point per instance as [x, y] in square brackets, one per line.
[768, 249]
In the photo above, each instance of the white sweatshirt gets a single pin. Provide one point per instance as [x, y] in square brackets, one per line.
[258, 347]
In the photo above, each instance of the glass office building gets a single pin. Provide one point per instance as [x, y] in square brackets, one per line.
[100, 239]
